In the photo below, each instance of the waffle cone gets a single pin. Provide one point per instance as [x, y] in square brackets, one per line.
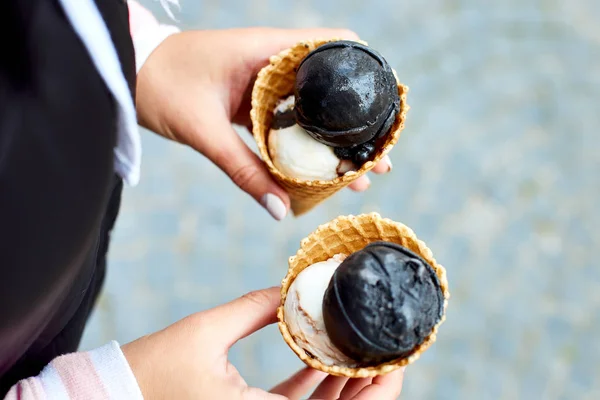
[276, 81]
[348, 234]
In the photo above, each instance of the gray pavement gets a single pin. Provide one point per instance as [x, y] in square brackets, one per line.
[497, 170]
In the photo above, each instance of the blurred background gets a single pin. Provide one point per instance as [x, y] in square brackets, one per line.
[497, 170]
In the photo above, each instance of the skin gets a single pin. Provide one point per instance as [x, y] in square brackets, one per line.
[192, 88]
[188, 360]
[196, 84]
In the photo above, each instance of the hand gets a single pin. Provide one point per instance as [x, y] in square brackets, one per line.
[188, 360]
[386, 387]
[197, 83]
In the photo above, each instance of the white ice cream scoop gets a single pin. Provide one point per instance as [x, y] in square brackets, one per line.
[303, 312]
[296, 154]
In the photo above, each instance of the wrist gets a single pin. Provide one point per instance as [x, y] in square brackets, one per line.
[138, 365]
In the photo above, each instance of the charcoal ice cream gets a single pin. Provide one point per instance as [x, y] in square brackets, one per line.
[298, 155]
[344, 103]
[381, 303]
[376, 305]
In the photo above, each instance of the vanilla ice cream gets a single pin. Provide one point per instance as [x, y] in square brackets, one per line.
[344, 103]
[303, 312]
[296, 154]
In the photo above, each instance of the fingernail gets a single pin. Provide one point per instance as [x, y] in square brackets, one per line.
[274, 205]
[388, 160]
[367, 181]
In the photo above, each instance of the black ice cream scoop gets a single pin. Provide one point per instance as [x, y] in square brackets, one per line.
[381, 303]
[346, 96]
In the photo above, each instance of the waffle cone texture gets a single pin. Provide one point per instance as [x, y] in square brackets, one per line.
[348, 234]
[275, 82]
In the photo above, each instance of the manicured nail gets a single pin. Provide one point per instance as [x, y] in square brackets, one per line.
[388, 160]
[367, 181]
[274, 205]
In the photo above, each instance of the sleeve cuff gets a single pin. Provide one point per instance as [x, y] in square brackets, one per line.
[146, 32]
[149, 40]
[114, 371]
[101, 373]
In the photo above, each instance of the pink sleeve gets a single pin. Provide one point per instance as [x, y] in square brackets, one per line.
[102, 373]
[147, 33]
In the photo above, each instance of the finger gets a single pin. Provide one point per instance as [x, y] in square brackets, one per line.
[252, 393]
[300, 383]
[386, 387]
[384, 166]
[270, 41]
[361, 184]
[353, 386]
[241, 317]
[330, 388]
[293, 36]
[218, 141]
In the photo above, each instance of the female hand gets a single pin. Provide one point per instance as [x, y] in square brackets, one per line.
[188, 360]
[197, 83]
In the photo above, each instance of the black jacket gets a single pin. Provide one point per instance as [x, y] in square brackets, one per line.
[59, 195]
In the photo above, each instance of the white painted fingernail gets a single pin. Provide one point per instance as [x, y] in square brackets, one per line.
[274, 205]
[388, 160]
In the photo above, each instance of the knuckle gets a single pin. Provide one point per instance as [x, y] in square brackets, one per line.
[257, 297]
[349, 34]
[244, 175]
[196, 323]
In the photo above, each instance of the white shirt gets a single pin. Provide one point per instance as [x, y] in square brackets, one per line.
[103, 371]
[93, 32]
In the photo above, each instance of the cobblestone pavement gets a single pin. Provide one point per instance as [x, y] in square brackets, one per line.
[497, 171]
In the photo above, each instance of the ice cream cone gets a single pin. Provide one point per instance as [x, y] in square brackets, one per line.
[348, 234]
[276, 81]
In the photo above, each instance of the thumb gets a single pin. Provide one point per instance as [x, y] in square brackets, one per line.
[223, 146]
[241, 317]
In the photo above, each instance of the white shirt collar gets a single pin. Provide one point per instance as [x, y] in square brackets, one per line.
[93, 32]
